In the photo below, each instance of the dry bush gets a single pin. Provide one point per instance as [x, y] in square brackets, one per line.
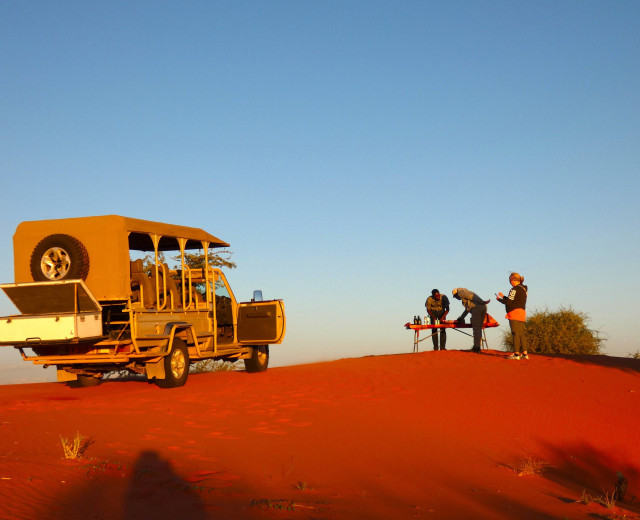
[74, 448]
[607, 500]
[564, 331]
[528, 466]
[212, 365]
[586, 498]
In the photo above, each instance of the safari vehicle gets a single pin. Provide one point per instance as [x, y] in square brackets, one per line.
[91, 305]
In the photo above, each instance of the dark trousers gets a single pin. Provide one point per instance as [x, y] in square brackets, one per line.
[519, 336]
[443, 339]
[477, 320]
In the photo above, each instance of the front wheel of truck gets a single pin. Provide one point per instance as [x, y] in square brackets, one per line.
[176, 366]
[259, 360]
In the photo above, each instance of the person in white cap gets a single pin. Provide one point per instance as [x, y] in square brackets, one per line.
[475, 306]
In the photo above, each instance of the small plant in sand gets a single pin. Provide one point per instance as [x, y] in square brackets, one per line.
[634, 355]
[279, 505]
[586, 498]
[564, 331]
[528, 466]
[212, 365]
[302, 486]
[74, 448]
[608, 499]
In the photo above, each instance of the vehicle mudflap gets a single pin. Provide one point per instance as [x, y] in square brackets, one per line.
[155, 370]
[65, 376]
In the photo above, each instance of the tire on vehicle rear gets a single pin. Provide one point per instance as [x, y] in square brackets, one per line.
[85, 381]
[59, 257]
[176, 366]
[259, 360]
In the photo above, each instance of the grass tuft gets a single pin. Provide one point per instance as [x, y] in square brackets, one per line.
[74, 448]
[528, 466]
[586, 498]
[607, 500]
[279, 505]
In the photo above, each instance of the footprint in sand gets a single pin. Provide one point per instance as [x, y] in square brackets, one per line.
[202, 476]
[268, 430]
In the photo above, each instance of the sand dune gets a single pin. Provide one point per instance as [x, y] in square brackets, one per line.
[431, 435]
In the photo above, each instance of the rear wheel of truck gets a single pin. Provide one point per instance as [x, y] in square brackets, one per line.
[59, 257]
[259, 360]
[176, 366]
[85, 381]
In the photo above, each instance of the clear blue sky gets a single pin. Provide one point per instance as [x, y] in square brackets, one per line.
[356, 154]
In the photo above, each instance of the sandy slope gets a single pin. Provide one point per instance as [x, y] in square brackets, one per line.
[430, 435]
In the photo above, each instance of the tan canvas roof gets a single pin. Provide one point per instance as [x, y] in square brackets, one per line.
[115, 223]
[108, 241]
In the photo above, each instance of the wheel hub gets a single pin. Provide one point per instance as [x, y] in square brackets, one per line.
[177, 363]
[55, 263]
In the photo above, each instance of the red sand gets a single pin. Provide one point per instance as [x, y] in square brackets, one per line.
[430, 435]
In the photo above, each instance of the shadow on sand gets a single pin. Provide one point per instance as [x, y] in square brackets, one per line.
[583, 467]
[626, 364]
[151, 490]
[156, 491]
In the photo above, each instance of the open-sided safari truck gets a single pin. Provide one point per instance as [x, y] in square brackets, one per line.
[90, 305]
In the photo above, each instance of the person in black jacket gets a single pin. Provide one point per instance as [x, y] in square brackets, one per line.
[516, 303]
[438, 307]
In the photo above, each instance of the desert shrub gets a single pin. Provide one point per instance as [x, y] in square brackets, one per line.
[528, 466]
[212, 365]
[74, 448]
[564, 331]
[608, 499]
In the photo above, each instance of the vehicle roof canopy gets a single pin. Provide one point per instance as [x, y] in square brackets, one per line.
[139, 231]
[108, 241]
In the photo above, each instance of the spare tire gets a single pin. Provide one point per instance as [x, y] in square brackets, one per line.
[59, 257]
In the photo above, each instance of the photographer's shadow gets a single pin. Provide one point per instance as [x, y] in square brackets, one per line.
[156, 491]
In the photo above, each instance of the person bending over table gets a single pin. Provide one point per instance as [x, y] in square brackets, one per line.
[475, 306]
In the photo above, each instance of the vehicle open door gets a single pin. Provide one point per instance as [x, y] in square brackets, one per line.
[261, 322]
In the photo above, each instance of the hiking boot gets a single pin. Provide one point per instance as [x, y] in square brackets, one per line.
[477, 350]
[514, 356]
[524, 356]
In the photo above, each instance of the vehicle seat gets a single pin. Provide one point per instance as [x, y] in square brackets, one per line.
[198, 299]
[139, 279]
[172, 288]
